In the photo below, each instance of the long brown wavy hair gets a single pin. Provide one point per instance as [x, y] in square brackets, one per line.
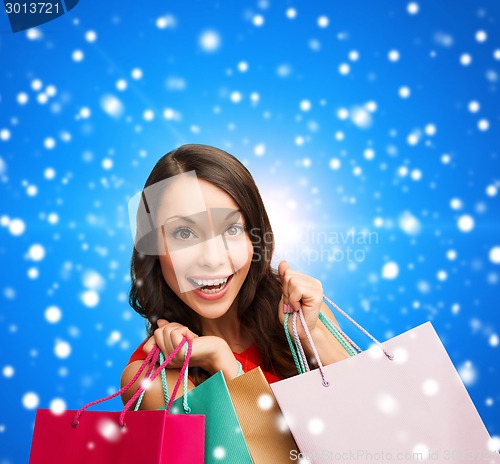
[258, 298]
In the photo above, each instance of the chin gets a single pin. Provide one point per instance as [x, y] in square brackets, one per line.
[209, 309]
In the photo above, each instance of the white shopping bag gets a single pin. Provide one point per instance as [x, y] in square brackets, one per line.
[413, 408]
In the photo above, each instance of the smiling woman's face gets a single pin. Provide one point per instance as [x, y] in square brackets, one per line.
[209, 251]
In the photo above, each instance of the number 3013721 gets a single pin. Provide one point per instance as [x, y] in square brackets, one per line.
[32, 8]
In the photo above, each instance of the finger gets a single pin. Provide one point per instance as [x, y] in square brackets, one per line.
[304, 293]
[179, 333]
[287, 309]
[284, 295]
[148, 346]
[162, 322]
[284, 271]
[299, 290]
[164, 329]
[162, 338]
[296, 293]
[282, 306]
[282, 268]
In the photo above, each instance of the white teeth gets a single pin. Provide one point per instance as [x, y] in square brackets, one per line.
[215, 290]
[203, 283]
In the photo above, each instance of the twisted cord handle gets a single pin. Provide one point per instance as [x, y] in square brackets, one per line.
[156, 373]
[356, 347]
[152, 356]
[340, 336]
[185, 404]
[388, 354]
[298, 365]
[304, 363]
[325, 381]
[163, 381]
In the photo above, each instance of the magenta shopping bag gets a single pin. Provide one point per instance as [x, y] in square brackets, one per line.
[402, 403]
[126, 437]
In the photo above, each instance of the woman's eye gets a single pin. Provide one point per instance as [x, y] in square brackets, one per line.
[183, 233]
[235, 229]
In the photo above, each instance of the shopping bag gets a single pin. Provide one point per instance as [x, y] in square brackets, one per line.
[399, 401]
[126, 437]
[224, 441]
[266, 433]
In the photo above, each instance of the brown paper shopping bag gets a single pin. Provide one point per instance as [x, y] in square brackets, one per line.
[264, 428]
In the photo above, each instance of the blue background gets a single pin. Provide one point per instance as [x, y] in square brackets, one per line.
[65, 239]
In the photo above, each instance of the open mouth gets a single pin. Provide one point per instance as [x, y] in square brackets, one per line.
[210, 286]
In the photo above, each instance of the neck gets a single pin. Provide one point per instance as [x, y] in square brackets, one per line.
[228, 328]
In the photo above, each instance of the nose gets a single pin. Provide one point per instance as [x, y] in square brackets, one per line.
[213, 253]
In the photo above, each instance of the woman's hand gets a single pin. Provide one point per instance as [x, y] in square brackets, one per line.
[300, 290]
[208, 352]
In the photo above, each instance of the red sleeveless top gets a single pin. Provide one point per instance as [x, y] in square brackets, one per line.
[249, 359]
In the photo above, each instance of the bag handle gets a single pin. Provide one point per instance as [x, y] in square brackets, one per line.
[146, 384]
[300, 361]
[301, 352]
[297, 352]
[340, 336]
[185, 405]
[164, 384]
[325, 381]
[388, 354]
[300, 358]
[151, 357]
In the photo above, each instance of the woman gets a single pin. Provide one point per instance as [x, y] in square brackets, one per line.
[201, 269]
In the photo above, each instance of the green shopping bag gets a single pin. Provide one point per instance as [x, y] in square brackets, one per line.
[224, 440]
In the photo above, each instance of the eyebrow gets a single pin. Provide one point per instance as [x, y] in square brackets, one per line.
[185, 218]
[188, 218]
[232, 213]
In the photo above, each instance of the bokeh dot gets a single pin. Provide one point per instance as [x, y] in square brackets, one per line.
[30, 400]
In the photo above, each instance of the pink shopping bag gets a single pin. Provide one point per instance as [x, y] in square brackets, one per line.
[126, 437]
[402, 403]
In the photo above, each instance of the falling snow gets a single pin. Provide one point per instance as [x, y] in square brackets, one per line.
[210, 41]
[390, 270]
[390, 135]
[468, 373]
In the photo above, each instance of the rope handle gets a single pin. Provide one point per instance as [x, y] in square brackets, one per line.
[304, 363]
[156, 373]
[298, 352]
[325, 381]
[150, 358]
[298, 361]
[163, 381]
[340, 336]
[388, 354]
[185, 404]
